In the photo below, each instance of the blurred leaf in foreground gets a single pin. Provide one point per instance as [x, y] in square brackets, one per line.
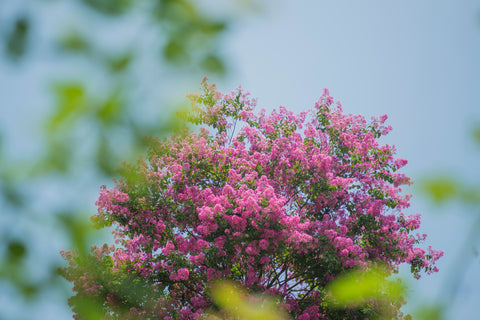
[360, 286]
[109, 7]
[74, 42]
[429, 313]
[232, 298]
[476, 134]
[17, 39]
[440, 188]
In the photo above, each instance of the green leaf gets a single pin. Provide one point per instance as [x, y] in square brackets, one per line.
[119, 63]
[476, 135]
[17, 40]
[358, 286]
[429, 313]
[111, 109]
[16, 250]
[109, 7]
[440, 189]
[175, 51]
[235, 300]
[213, 64]
[75, 42]
[71, 103]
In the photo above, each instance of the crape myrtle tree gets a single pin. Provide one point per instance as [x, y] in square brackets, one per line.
[282, 204]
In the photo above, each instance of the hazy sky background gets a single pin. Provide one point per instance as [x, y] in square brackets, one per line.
[417, 61]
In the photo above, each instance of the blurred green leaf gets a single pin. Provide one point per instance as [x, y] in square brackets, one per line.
[105, 157]
[175, 52]
[109, 7]
[476, 134]
[71, 103]
[440, 189]
[89, 308]
[212, 28]
[58, 156]
[17, 39]
[429, 313]
[11, 191]
[470, 195]
[16, 250]
[78, 228]
[29, 291]
[213, 64]
[111, 109]
[179, 11]
[119, 62]
[75, 42]
[231, 297]
[359, 286]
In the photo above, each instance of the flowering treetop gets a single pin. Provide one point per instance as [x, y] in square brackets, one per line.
[282, 203]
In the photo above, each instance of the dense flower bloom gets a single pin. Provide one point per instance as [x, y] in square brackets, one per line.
[281, 203]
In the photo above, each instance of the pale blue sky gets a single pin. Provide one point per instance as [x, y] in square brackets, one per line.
[417, 61]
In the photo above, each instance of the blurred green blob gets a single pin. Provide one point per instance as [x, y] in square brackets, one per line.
[12, 268]
[476, 134]
[175, 52]
[232, 298]
[440, 189]
[359, 286]
[470, 195]
[17, 40]
[105, 157]
[78, 229]
[29, 291]
[89, 308]
[75, 42]
[191, 35]
[71, 103]
[110, 110]
[429, 313]
[175, 10]
[213, 64]
[10, 190]
[212, 28]
[119, 63]
[58, 156]
[109, 7]
[16, 250]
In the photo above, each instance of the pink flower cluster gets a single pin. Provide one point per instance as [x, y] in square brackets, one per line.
[282, 203]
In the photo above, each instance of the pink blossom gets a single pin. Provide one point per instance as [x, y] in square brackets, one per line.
[183, 274]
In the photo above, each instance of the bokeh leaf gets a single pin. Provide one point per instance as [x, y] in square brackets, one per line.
[79, 230]
[440, 189]
[435, 312]
[359, 286]
[74, 42]
[16, 250]
[175, 51]
[109, 7]
[476, 135]
[213, 64]
[110, 110]
[71, 103]
[17, 39]
[119, 62]
[235, 300]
